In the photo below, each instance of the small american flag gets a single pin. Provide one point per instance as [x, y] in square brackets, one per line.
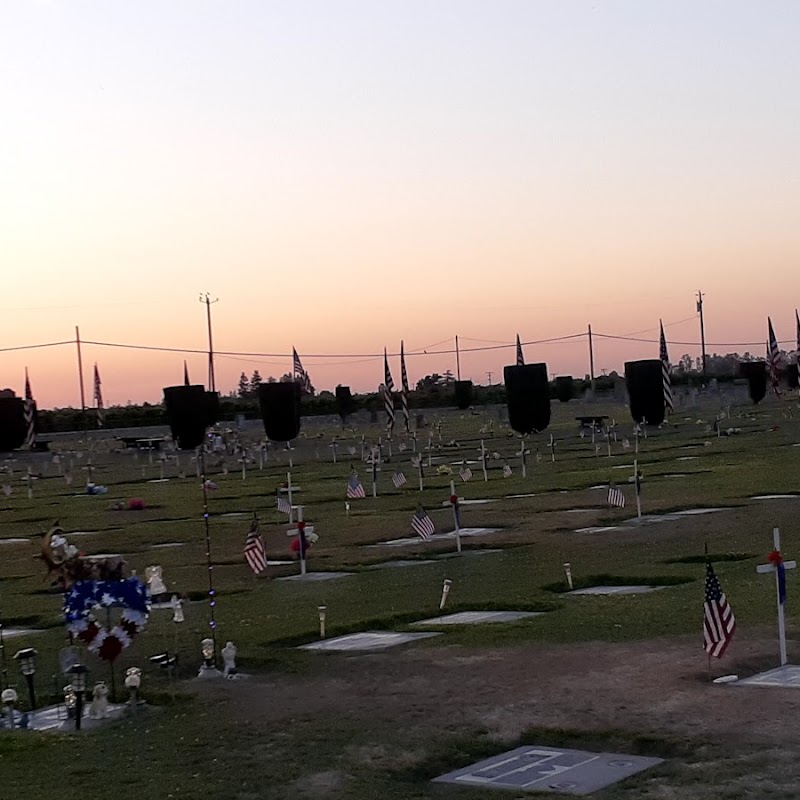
[615, 497]
[398, 479]
[422, 524]
[719, 624]
[301, 376]
[507, 472]
[665, 379]
[773, 357]
[98, 398]
[254, 551]
[284, 506]
[465, 473]
[520, 357]
[354, 488]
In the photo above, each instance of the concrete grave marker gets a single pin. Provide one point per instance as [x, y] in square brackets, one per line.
[479, 617]
[316, 576]
[640, 589]
[549, 769]
[369, 640]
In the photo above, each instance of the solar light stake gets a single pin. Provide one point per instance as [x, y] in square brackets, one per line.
[323, 612]
[26, 659]
[445, 591]
[568, 572]
[78, 674]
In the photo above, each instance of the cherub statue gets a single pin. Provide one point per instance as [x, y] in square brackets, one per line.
[229, 659]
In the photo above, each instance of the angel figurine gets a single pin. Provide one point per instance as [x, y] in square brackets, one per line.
[154, 581]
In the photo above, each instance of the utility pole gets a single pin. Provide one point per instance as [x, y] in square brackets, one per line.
[80, 369]
[206, 298]
[702, 329]
[591, 359]
[458, 362]
[489, 374]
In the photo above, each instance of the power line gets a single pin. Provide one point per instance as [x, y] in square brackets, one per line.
[365, 357]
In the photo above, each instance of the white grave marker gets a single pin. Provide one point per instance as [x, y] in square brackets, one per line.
[778, 566]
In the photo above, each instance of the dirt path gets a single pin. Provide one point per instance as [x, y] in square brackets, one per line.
[654, 689]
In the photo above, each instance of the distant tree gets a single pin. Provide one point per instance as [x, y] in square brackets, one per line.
[255, 382]
[244, 386]
[430, 383]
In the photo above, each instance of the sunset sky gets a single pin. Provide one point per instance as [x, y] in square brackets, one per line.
[344, 174]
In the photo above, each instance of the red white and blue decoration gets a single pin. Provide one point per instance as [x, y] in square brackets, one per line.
[85, 596]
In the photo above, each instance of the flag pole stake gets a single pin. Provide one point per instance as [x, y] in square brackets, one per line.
[455, 516]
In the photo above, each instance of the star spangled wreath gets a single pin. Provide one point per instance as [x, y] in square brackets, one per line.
[130, 595]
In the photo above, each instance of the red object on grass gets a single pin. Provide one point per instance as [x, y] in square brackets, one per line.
[136, 504]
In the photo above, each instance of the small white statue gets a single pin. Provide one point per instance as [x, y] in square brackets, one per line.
[154, 581]
[133, 680]
[177, 609]
[229, 659]
[99, 705]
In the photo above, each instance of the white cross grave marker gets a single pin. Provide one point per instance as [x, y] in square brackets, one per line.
[775, 565]
[521, 454]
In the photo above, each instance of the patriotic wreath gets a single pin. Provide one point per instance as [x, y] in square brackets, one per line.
[130, 595]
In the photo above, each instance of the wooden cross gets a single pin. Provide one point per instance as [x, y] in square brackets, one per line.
[778, 566]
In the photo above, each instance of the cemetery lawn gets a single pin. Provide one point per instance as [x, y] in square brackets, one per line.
[623, 674]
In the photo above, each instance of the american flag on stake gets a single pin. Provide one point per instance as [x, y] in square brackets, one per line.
[300, 375]
[422, 524]
[719, 624]
[520, 357]
[773, 357]
[465, 473]
[387, 387]
[284, 506]
[98, 398]
[403, 386]
[615, 497]
[398, 479]
[254, 551]
[30, 413]
[355, 490]
[665, 379]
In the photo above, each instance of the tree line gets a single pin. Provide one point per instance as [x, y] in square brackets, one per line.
[432, 391]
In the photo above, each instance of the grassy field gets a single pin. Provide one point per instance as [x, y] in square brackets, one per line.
[193, 744]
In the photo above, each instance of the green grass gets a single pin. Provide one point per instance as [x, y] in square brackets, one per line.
[192, 748]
